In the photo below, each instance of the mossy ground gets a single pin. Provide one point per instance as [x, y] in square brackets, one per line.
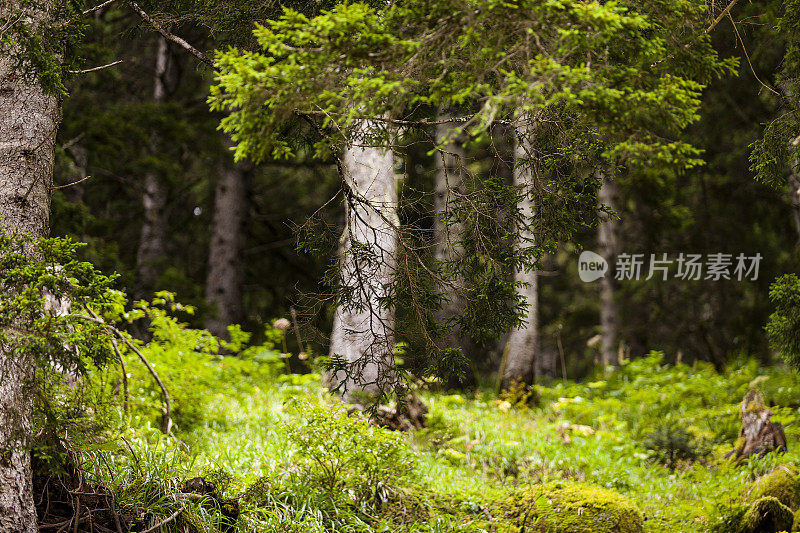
[573, 508]
[477, 452]
[766, 515]
[783, 483]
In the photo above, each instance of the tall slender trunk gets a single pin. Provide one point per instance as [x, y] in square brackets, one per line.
[607, 248]
[447, 236]
[225, 262]
[794, 176]
[794, 189]
[29, 121]
[153, 238]
[522, 350]
[449, 183]
[363, 325]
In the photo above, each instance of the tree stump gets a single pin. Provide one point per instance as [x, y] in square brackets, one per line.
[759, 435]
[411, 413]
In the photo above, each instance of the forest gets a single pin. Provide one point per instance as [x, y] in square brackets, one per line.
[435, 266]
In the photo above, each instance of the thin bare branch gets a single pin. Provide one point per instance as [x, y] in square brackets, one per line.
[721, 16]
[747, 56]
[73, 183]
[170, 36]
[95, 69]
[98, 7]
[126, 395]
[164, 522]
[167, 425]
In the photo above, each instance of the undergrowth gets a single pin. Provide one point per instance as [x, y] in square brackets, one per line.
[292, 458]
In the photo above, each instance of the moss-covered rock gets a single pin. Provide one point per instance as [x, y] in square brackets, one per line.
[796, 526]
[766, 515]
[573, 508]
[782, 483]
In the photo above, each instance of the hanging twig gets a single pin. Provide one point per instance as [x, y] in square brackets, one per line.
[124, 377]
[170, 36]
[296, 329]
[747, 56]
[167, 423]
[30, 152]
[561, 354]
[133, 453]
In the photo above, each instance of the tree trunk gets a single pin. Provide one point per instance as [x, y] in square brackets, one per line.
[225, 261]
[363, 325]
[152, 242]
[522, 350]
[794, 188]
[447, 247]
[607, 248]
[29, 120]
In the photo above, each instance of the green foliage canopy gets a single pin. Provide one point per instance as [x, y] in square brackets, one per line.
[632, 73]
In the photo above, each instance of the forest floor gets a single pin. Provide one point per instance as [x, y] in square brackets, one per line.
[653, 433]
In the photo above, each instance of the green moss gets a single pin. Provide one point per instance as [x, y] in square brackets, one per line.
[782, 483]
[766, 515]
[259, 493]
[796, 526]
[573, 508]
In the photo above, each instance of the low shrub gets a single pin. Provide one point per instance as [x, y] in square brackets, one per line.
[671, 444]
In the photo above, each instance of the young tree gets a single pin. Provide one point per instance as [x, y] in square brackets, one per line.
[607, 231]
[225, 262]
[448, 238]
[153, 239]
[522, 353]
[362, 340]
[794, 192]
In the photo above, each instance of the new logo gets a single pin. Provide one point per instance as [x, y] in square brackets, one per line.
[591, 266]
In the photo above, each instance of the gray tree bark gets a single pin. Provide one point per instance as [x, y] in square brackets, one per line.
[608, 248]
[449, 183]
[29, 121]
[225, 261]
[794, 189]
[363, 325]
[447, 237]
[153, 238]
[522, 350]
